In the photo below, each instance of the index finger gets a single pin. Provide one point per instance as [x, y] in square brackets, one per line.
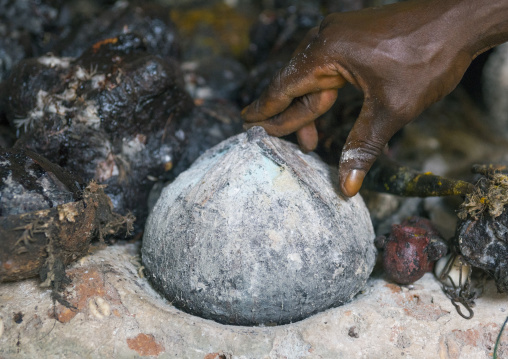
[304, 74]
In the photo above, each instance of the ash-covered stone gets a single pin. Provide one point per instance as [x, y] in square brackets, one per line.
[484, 244]
[111, 115]
[255, 232]
[48, 218]
[29, 183]
[482, 231]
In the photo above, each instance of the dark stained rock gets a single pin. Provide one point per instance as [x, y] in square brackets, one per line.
[112, 115]
[149, 20]
[27, 28]
[117, 114]
[29, 182]
[482, 230]
[48, 218]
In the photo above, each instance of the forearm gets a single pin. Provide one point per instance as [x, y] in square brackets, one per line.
[491, 23]
[476, 24]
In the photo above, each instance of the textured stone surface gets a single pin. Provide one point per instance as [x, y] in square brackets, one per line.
[255, 232]
[119, 315]
[29, 182]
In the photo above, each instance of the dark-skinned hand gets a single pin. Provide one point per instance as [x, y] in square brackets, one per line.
[404, 57]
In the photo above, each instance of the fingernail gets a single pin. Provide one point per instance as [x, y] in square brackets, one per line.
[353, 182]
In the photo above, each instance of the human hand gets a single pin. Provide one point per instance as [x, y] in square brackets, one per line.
[404, 57]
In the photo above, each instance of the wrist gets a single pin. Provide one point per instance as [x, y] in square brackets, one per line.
[482, 23]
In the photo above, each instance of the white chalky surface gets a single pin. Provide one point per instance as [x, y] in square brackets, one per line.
[254, 232]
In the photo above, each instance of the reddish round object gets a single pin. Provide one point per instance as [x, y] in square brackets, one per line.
[404, 259]
[411, 250]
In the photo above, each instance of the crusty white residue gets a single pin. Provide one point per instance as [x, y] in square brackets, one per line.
[354, 154]
[51, 60]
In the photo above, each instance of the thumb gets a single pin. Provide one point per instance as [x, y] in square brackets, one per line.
[367, 139]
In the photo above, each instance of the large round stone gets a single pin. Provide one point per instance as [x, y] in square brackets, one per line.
[256, 232]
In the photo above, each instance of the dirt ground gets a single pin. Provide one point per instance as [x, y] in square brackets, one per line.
[118, 315]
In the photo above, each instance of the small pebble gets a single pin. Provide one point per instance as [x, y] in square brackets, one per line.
[353, 332]
[99, 307]
[18, 317]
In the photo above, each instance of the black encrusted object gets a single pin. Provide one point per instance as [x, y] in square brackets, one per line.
[117, 115]
[48, 218]
[484, 244]
[482, 231]
[29, 182]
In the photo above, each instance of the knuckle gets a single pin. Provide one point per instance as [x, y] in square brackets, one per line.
[326, 69]
[313, 32]
[373, 147]
[276, 83]
[327, 21]
[278, 86]
[362, 151]
[310, 104]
